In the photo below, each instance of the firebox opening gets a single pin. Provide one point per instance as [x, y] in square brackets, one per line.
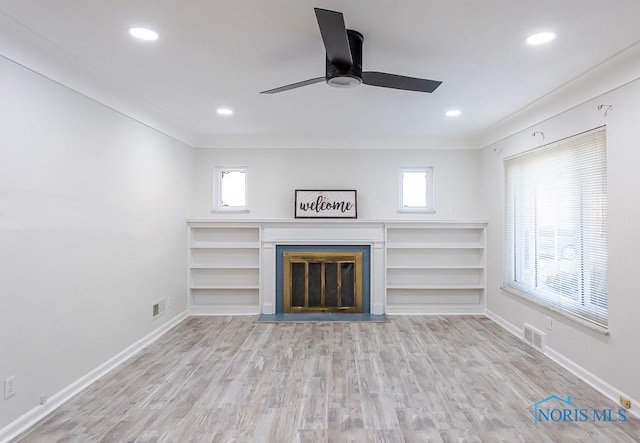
[315, 270]
[322, 282]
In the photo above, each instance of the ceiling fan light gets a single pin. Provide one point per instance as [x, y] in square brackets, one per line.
[143, 34]
[540, 38]
[344, 81]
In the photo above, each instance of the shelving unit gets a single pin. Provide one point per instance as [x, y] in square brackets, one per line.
[434, 268]
[224, 268]
[417, 267]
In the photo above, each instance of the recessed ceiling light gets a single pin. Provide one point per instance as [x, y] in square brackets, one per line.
[225, 111]
[143, 34]
[453, 113]
[541, 38]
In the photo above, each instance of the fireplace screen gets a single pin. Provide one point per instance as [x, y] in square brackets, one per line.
[322, 282]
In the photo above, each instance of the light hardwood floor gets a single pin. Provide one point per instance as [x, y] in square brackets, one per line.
[412, 379]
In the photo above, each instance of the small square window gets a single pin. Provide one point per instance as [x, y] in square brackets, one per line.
[230, 190]
[416, 189]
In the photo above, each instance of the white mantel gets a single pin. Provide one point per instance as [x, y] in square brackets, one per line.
[322, 233]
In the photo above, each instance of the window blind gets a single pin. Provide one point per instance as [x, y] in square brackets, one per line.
[556, 226]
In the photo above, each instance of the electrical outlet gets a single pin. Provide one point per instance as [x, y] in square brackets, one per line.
[625, 402]
[549, 324]
[10, 386]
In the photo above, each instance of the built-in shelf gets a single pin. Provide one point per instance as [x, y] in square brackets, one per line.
[434, 246]
[418, 267]
[435, 286]
[239, 287]
[224, 268]
[225, 246]
[435, 268]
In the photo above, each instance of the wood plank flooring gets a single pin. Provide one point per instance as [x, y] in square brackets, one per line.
[412, 379]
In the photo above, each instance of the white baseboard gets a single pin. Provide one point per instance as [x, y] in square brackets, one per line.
[425, 309]
[27, 420]
[268, 308]
[224, 310]
[505, 324]
[592, 380]
[583, 374]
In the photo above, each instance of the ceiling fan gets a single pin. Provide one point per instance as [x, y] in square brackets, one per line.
[344, 61]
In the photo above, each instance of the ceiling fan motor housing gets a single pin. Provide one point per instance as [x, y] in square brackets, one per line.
[350, 75]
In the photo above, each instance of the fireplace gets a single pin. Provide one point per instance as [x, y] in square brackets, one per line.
[322, 281]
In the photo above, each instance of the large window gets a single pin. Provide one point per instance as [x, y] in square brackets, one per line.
[556, 226]
[230, 189]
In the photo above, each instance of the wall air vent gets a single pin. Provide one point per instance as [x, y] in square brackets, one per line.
[533, 337]
[157, 308]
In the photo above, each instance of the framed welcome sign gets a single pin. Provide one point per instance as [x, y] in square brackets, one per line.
[326, 203]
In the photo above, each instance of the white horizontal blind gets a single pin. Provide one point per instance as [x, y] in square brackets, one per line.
[556, 225]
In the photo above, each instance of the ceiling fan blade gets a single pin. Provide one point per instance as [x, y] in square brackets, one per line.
[399, 82]
[294, 85]
[334, 36]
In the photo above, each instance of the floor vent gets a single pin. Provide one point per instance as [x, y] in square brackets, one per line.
[534, 337]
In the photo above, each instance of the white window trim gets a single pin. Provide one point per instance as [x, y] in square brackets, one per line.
[217, 194]
[429, 208]
[573, 317]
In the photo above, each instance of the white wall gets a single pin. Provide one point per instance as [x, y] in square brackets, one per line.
[92, 231]
[613, 358]
[274, 175]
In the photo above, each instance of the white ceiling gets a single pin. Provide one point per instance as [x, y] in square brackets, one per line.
[222, 53]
